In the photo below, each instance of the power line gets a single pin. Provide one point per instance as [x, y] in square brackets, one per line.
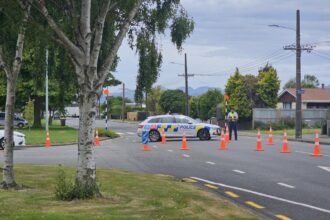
[321, 55]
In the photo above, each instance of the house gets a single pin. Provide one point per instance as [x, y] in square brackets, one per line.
[311, 98]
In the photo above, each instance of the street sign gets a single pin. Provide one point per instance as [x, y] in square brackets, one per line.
[226, 97]
[301, 91]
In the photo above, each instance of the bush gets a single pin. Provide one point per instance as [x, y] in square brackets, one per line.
[107, 133]
[66, 190]
[280, 125]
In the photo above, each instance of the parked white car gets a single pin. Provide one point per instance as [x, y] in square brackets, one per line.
[19, 139]
[173, 126]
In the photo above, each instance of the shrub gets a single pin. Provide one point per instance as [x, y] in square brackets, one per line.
[66, 190]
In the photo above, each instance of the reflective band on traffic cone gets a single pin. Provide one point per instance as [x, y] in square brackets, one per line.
[184, 145]
[48, 144]
[97, 140]
[259, 144]
[285, 146]
[222, 141]
[270, 136]
[317, 151]
[163, 137]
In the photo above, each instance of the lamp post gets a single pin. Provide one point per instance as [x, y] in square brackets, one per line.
[46, 96]
[298, 48]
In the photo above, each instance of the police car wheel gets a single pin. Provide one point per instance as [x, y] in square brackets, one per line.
[203, 134]
[154, 136]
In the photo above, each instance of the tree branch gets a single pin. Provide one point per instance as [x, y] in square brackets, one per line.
[99, 27]
[73, 49]
[3, 64]
[118, 41]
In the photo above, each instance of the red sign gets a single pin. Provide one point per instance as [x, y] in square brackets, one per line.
[105, 91]
[226, 97]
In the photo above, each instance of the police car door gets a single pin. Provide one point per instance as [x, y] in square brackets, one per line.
[167, 123]
[184, 123]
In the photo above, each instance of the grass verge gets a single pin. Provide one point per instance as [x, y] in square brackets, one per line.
[128, 196]
[58, 134]
[290, 132]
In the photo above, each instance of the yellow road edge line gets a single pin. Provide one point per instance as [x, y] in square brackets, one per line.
[231, 194]
[255, 205]
[211, 186]
[283, 217]
[189, 180]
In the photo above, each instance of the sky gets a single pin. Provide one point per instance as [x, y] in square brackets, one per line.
[235, 33]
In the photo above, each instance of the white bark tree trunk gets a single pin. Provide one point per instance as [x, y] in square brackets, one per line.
[12, 73]
[8, 172]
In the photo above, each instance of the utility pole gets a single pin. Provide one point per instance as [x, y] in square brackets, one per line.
[46, 82]
[186, 83]
[298, 48]
[123, 104]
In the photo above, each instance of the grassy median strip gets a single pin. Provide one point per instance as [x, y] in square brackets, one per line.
[127, 195]
[58, 134]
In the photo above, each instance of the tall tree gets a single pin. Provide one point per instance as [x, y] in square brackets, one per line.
[10, 61]
[208, 103]
[173, 101]
[309, 81]
[154, 98]
[194, 107]
[268, 86]
[85, 42]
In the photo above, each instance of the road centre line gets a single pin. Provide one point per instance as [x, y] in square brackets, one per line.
[286, 185]
[239, 171]
[170, 150]
[283, 217]
[304, 152]
[263, 195]
[186, 155]
[209, 162]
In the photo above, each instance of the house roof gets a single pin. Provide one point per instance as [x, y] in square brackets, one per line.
[310, 95]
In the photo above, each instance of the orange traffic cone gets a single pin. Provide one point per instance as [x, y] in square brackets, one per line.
[285, 147]
[222, 142]
[184, 145]
[270, 136]
[163, 137]
[48, 144]
[97, 140]
[317, 150]
[259, 144]
[227, 135]
[146, 147]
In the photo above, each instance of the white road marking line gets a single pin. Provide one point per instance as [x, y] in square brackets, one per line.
[286, 185]
[170, 150]
[303, 152]
[263, 195]
[119, 133]
[130, 133]
[154, 146]
[324, 168]
[209, 162]
[239, 171]
[185, 155]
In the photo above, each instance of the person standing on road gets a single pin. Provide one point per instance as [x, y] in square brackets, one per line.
[232, 118]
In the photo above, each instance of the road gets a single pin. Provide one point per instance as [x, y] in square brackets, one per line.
[275, 185]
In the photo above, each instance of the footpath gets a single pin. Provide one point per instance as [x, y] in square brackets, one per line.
[307, 138]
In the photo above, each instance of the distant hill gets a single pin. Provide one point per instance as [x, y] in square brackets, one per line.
[129, 93]
[198, 91]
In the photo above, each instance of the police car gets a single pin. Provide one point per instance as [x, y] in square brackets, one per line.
[173, 126]
[19, 139]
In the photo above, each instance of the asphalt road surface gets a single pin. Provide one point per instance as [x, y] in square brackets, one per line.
[276, 185]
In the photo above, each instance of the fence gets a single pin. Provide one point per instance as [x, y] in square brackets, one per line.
[309, 116]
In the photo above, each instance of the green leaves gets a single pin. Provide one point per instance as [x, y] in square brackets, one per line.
[173, 101]
[208, 103]
[181, 29]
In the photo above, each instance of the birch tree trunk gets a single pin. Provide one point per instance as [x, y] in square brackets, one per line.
[12, 74]
[8, 172]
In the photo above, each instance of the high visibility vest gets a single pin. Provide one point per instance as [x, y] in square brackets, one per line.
[232, 116]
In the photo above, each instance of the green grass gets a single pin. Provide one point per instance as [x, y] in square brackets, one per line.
[290, 132]
[58, 134]
[127, 196]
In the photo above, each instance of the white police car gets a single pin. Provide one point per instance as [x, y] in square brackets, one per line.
[19, 139]
[173, 126]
